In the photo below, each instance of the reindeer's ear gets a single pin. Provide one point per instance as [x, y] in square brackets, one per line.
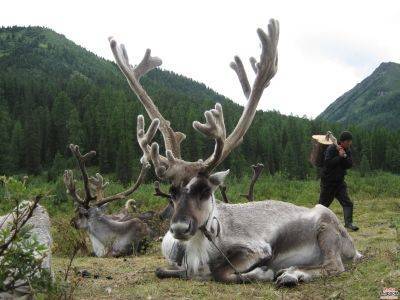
[218, 178]
[103, 208]
[82, 210]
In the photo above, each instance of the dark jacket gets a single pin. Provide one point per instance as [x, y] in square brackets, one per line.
[335, 167]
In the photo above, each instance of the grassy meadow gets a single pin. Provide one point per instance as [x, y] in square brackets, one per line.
[377, 212]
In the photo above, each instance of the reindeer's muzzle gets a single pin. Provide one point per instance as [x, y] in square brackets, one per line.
[183, 228]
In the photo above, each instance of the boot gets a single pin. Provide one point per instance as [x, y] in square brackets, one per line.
[348, 218]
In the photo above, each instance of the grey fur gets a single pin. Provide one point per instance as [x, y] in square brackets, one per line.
[111, 236]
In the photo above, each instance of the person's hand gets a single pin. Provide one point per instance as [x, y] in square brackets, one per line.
[342, 152]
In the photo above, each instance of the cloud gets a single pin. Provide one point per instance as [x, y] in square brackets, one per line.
[325, 48]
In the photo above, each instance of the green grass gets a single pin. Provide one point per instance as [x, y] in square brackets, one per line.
[377, 211]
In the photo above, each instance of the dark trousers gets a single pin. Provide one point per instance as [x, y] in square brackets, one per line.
[329, 191]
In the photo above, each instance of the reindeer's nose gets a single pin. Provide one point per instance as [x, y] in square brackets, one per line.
[180, 229]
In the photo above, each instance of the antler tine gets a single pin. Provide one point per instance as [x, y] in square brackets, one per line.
[160, 168]
[70, 182]
[174, 169]
[238, 67]
[82, 159]
[158, 192]
[253, 63]
[222, 189]
[267, 66]
[97, 184]
[147, 64]
[213, 128]
[172, 139]
[144, 138]
[257, 169]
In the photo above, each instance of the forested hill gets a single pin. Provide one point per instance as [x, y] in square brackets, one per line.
[54, 92]
[373, 102]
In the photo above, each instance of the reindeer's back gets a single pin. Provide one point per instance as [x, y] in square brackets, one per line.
[40, 228]
[40, 223]
[261, 218]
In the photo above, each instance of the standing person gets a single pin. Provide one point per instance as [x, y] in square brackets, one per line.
[337, 160]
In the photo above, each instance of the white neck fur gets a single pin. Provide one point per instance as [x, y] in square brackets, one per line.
[199, 248]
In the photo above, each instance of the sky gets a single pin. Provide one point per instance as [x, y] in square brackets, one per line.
[325, 47]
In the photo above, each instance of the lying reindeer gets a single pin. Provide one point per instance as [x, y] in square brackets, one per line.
[233, 243]
[111, 235]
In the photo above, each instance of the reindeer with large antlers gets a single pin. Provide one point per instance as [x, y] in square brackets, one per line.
[255, 241]
[111, 235]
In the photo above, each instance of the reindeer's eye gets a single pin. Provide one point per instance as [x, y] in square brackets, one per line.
[173, 191]
[173, 198]
[200, 189]
[205, 193]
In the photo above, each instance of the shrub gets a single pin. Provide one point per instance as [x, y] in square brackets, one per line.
[21, 262]
[64, 244]
[21, 255]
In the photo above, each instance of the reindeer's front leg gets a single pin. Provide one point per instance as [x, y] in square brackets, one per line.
[171, 272]
[174, 251]
[249, 261]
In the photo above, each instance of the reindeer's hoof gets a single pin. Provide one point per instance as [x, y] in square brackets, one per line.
[291, 277]
[358, 257]
[160, 273]
[286, 280]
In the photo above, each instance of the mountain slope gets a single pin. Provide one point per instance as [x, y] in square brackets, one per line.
[54, 92]
[373, 102]
[41, 52]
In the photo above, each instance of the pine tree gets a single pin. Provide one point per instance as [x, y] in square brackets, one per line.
[57, 168]
[17, 147]
[43, 114]
[104, 155]
[5, 126]
[60, 115]
[124, 162]
[32, 145]
[75, 131]
[392, 159]
[364, 166]
[289, 161]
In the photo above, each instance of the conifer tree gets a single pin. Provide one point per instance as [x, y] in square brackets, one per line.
[289, 161]
[364, 166]
[5, 126]
[17, 147]
[60, 115]
[75, 130]
[124, 162]
[32, 145]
